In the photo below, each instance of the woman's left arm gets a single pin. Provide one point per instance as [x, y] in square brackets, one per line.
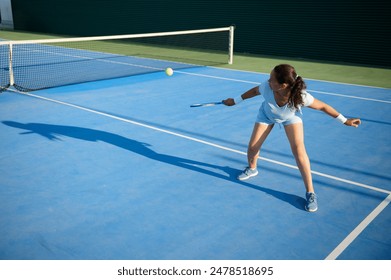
[321, 106]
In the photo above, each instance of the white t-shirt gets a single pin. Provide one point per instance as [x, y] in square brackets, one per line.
[270, 112]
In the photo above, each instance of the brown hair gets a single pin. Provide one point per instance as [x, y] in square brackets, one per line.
[286, 73]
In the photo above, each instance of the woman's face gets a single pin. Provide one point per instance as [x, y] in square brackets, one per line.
[274, 84]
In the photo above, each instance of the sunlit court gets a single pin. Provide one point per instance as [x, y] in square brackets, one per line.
[123, 148]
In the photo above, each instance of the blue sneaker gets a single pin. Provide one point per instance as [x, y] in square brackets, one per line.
[247, 173]
[312, 202]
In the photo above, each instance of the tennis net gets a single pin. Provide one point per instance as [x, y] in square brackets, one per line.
[39, 64]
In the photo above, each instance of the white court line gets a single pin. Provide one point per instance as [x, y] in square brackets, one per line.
[309, 79]
[350, 96]
[360, 228]
[217, 77]
[258, 83]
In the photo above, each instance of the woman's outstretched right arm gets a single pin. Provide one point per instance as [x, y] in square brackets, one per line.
[248, 94]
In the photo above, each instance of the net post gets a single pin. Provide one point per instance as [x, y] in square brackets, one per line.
[231, 45]
[12, 81]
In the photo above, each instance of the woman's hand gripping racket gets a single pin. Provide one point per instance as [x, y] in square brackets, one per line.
[206, 104]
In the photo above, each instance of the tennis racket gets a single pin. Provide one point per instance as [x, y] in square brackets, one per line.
[206, 104]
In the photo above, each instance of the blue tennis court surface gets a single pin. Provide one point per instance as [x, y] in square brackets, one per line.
[125, 169]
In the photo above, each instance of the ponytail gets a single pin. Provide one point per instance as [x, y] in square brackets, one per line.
[295, 99]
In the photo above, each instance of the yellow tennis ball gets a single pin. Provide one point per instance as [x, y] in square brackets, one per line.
[169, 71]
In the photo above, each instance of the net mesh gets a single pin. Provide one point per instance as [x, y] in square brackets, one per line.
[33, 65]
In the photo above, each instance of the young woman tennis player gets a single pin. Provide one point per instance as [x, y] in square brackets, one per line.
[284, 95]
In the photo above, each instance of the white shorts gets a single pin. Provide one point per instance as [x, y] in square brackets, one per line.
[264, 119]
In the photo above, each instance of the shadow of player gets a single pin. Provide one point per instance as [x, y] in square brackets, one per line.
[54, 132]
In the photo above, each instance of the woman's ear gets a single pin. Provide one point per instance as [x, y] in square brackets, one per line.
[284, 86]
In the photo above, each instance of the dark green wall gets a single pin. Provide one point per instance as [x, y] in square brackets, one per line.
[352, 31]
